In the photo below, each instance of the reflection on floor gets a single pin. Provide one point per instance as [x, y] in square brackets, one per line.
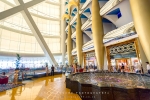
[47, 88]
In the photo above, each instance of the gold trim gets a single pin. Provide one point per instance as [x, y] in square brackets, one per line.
[122, 43]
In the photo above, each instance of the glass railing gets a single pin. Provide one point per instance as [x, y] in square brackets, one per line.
[119, 37]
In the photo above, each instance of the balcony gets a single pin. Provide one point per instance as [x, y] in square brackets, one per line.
[67, 28]
[121, 39]
[120, 34]
[88, 46]
[85, 24]
[108, 6]
[74, 51]
[73, 20]
[73, 35]
[119, 31]
[85, 5]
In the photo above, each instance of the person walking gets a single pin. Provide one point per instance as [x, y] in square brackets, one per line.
[139, 68]
[148, 67]
[52, 70]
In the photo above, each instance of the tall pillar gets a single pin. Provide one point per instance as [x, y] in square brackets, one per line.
[97, 28]
[69, 45]
[143, 57]
[79, 39]
[141, 17]
[63, 33]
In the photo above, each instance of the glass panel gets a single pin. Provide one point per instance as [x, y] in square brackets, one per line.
[16, 22]
[11, 1]
[56, 1]
[25, 1]
[46, 10]
[4, 6]
[5, 44]
[48, 27]
[13, 45]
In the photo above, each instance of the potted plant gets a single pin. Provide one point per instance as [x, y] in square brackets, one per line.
[17, 61]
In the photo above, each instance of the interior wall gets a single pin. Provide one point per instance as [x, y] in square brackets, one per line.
[83, 20]
[107, 27]
[85, 38]
[74, 44]
[125, 10]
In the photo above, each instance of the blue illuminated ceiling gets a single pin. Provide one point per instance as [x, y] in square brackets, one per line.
[83, 16]
[73, 26]
[74, 12]
[114, 12]
[89, 29]
[67, 20]
[66, 3]
[66, 12]
[87, 10]
[82, 1]
[106, 20]
[74, 23]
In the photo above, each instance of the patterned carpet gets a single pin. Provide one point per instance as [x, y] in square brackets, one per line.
[9, 86]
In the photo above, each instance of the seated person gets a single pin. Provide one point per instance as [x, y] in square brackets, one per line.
[3, 73]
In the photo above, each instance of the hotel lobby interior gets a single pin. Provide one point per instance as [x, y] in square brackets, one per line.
[74, 50]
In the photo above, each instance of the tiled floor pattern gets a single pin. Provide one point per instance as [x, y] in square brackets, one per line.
[47, 88]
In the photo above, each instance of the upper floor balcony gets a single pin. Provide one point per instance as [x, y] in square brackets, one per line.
[88, 46]
[74, 51]
[109, 5]
[67, 28]
[126, 31]
[73, 20]
[85, 5]
[73, 35]
[86, 24]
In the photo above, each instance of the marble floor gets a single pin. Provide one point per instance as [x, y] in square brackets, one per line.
[46, 88]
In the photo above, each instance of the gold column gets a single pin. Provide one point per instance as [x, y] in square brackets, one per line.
[79, 37]
[97, 28]
[141, 17]
[69, 45]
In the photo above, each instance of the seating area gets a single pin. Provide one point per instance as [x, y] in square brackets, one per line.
[3, 79]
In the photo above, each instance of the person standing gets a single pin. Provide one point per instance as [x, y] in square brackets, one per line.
[16, 77]
[47, 71]
[122, 68]
[148, 67]
[139, 68]
[52, 70]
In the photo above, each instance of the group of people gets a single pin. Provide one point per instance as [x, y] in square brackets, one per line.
[77, 68]
[137, 68]
[91, 68]
[48, 72]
